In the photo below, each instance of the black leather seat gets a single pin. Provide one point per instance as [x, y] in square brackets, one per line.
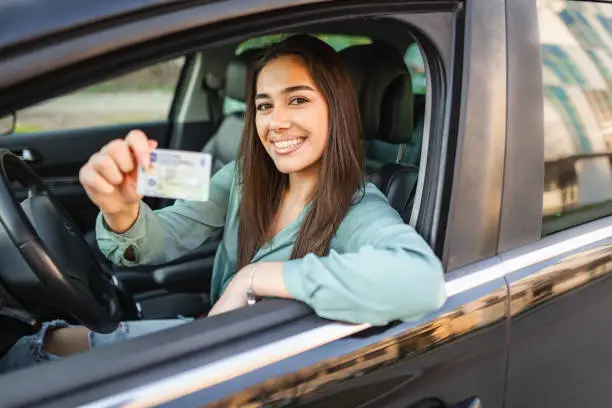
[384, 88]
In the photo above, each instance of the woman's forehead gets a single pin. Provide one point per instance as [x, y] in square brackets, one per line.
[283, 72]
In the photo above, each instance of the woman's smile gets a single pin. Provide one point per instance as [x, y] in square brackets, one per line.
[287, 146]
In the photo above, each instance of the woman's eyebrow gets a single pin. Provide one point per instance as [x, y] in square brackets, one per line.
[286, 91]
[298, 88]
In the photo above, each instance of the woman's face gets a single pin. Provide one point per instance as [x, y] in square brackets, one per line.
[291, 115]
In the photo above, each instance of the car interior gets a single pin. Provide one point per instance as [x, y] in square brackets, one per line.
[393, 118]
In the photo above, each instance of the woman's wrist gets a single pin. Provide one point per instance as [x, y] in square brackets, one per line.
[265, 279]
[251, 295]
[121, 222]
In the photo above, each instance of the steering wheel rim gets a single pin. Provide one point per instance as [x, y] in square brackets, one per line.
[56, 250]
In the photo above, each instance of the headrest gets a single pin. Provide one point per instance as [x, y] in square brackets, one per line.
[384, 91]
[236, 74]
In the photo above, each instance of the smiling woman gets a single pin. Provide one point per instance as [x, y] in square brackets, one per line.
[301, 87]
[299, 220]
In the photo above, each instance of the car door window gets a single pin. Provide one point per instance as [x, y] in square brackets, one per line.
[215, 335]
[142, 96]
[576, 47]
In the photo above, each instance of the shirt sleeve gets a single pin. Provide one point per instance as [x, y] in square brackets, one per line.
[162, 235]
[385, 270]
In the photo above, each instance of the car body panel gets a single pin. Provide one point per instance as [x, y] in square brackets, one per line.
[561, 326]
[20, 25]
[559, 345]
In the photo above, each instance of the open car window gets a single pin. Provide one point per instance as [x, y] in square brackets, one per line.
[160, 300]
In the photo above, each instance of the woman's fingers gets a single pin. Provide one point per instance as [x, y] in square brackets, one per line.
[91, 179]
[116, 163]
[120, 152]
[139, 144]
[105, 166]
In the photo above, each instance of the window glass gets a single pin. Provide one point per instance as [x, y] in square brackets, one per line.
[142, 96]
[576, 47]
[414, 61]
[338, 42]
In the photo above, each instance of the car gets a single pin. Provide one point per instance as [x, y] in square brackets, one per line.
[487, 126]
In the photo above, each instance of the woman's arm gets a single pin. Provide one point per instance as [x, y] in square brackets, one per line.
[385, 271]
[162, 235]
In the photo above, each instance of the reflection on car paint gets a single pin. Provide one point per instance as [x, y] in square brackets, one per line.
[531, 286]
[569, 273]
[307, 383]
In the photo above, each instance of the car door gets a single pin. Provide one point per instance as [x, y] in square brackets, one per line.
[56, 137]
[278, 353]
[560, 350]
[456, 357]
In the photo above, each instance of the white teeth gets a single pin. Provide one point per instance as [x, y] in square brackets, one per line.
[285, 144]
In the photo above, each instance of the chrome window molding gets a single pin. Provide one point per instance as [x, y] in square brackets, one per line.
[533, 254]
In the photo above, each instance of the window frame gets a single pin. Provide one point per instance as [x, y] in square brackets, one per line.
[523, 183]
[473, 199]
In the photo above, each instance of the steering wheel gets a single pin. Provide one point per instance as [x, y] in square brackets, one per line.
[55, 250]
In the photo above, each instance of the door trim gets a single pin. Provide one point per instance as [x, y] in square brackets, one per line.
[475, 199]
[521, 212]
[535, 253]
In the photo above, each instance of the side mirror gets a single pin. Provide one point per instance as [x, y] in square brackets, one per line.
[8, 123]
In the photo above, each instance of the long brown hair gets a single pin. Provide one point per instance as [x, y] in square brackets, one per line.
[341, 173]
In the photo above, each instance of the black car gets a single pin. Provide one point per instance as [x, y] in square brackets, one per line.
[504, 166]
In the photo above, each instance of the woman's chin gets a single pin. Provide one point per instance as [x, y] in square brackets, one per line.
[288, 165]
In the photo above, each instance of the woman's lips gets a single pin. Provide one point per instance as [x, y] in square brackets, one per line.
[287, 146]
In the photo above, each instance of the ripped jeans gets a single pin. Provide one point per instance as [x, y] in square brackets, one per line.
[28, 350]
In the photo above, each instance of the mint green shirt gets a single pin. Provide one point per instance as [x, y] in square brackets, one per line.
[378, 268]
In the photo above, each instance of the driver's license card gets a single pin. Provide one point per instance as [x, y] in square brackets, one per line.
[176, 174]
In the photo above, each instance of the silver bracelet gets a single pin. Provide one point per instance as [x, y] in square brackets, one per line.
[251, 296]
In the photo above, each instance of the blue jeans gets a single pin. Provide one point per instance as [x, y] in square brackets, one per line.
[29, 351]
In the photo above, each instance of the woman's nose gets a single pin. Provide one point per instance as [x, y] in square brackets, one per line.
[280, 119]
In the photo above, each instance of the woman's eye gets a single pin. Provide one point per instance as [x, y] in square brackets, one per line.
[263, 106]
[298, 100]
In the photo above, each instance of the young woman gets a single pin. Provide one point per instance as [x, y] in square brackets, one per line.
[298, 219]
